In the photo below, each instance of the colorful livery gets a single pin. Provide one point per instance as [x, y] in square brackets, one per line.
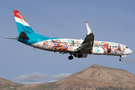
[75, 47]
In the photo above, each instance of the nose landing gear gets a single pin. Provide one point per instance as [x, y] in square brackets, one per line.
[70, 57]
[120, 58]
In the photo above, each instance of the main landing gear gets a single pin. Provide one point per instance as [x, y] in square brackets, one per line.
[120, 58]
[70, 57]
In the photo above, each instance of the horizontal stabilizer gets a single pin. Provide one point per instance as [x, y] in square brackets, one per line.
[11, 38]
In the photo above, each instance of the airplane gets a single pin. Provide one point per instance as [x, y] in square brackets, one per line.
[75, 47]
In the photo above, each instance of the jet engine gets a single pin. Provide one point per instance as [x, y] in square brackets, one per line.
[79, 55]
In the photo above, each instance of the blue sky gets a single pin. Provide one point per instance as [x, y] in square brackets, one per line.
[110, 20]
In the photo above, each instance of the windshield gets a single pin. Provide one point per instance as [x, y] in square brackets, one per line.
[127, 47]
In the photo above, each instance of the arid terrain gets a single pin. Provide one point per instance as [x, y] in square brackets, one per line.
[95, 77]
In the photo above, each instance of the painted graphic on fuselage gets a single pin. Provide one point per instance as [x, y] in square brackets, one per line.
[70, 45]
[61, 44]
[110, 47]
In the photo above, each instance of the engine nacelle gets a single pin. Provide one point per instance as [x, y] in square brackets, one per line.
[80, 55]
[97, 50]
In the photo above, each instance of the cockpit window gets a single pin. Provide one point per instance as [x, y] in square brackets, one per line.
[126, 47]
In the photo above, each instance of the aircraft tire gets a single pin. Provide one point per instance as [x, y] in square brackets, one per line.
[79, 55]
[70, 57]
[120, 59]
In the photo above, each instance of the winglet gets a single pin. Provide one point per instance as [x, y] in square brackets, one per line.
[88, 28]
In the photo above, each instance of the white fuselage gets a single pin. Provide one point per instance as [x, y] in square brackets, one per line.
[69, 45]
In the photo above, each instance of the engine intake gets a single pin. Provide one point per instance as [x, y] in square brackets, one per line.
[80, 55]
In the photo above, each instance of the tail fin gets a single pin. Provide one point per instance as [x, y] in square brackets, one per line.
[23, 27]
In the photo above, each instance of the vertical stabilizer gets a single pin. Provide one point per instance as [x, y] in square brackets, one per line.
[22, 24]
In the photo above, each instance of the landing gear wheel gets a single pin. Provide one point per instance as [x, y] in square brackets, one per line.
[70, 57]
[120, 59]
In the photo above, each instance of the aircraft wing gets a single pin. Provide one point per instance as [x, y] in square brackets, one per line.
[88, 41]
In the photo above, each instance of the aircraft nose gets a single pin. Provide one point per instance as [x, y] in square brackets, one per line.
[130, 51]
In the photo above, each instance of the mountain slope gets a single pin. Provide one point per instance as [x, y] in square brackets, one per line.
[95, 77]
[98, 77]
[7, 83]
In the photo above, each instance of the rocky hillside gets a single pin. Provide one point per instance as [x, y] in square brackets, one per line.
[95, 77]
[7, 83]
[98, 77]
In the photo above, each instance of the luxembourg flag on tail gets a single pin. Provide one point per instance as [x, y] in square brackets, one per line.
[21, 23]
